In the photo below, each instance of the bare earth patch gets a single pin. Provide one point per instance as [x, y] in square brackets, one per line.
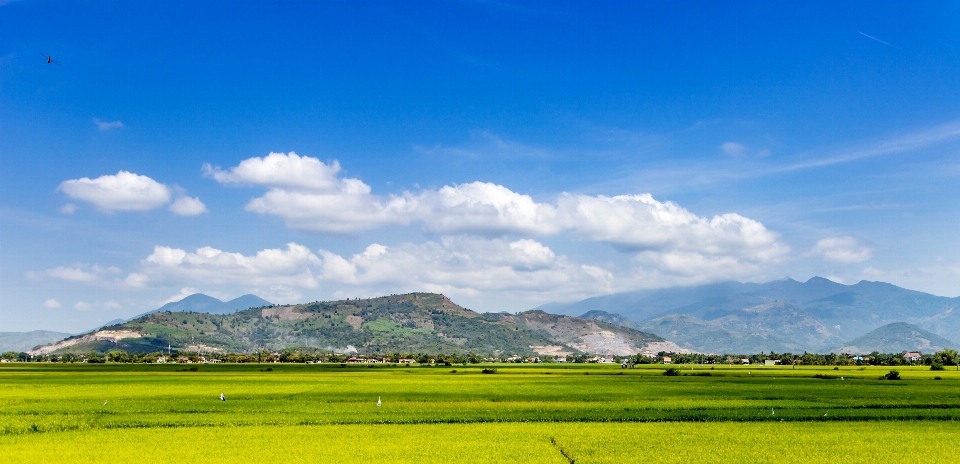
[285, 313]
[111, 335]
[550, 350]
[355, 321]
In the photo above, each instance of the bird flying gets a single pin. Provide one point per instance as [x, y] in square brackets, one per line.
[50, 60]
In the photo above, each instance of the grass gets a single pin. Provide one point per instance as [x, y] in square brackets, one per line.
[433, 414]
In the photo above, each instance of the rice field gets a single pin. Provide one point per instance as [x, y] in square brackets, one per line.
[521, 413]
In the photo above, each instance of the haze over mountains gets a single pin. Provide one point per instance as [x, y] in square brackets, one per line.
[818, 315]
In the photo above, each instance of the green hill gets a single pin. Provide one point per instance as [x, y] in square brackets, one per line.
[416, 322]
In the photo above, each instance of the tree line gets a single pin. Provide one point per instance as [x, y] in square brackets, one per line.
[937, 361]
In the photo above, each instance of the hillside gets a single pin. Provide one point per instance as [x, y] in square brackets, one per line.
[897, 338]
[815, 315]
[416, 322]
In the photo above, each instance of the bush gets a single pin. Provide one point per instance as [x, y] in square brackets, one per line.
[489, 370]
[936, 366]
[892, 375]
[672, 372]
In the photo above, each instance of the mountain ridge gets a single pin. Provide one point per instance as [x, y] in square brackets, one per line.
[416, 322]
[830, 312]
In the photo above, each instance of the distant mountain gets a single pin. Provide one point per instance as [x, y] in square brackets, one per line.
[821, 313]
[23, 341]
[773, 326]
[200, 303]
[897, 338]
[416, 322]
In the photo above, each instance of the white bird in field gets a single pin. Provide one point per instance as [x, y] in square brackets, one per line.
[378, 401]
[841, 377]
[825, 414]
[104, 402]
[772, 411]
[222, 397]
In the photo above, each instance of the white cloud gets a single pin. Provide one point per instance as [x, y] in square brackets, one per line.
[188, 206]
[733, 148]
[842, 250]
[464, 265]
[51, 303]
[107, 125]
[184, 292]
[291, 267]
[307, 194]
[111, 305]
[280, 170]
[82, 273]
[641, 222]
[83, 306]
[124, 191]
[68, 208]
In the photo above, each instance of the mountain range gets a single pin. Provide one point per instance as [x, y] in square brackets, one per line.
[200, 303]
[783, 315]
[729, 317]
[23, 341]
[415, 322]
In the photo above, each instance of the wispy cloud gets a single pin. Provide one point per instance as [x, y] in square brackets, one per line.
[485, 145]
[910, 142]
[107, 125]
[875, 39]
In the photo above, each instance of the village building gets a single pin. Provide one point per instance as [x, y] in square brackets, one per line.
[912, 357]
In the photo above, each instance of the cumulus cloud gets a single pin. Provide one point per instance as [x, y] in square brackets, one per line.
[51, 304]
[290, 267]
[465, 265]
[308, 195]
[188, 206]
[83, 306]
[733, 148]
[183, 293]
[81, 273]
[280, 170]
[107, 125]
[844, 249]
[124, 191]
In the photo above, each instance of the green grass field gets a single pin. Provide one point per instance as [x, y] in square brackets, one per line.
[523, 413]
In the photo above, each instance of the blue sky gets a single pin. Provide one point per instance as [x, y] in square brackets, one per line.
[505, 154]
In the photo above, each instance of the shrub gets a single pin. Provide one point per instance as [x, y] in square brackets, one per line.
[936, 366]
[892, 375]
[488, 370]
[673, 371]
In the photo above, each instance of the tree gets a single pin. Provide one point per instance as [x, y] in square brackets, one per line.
[947, 357]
